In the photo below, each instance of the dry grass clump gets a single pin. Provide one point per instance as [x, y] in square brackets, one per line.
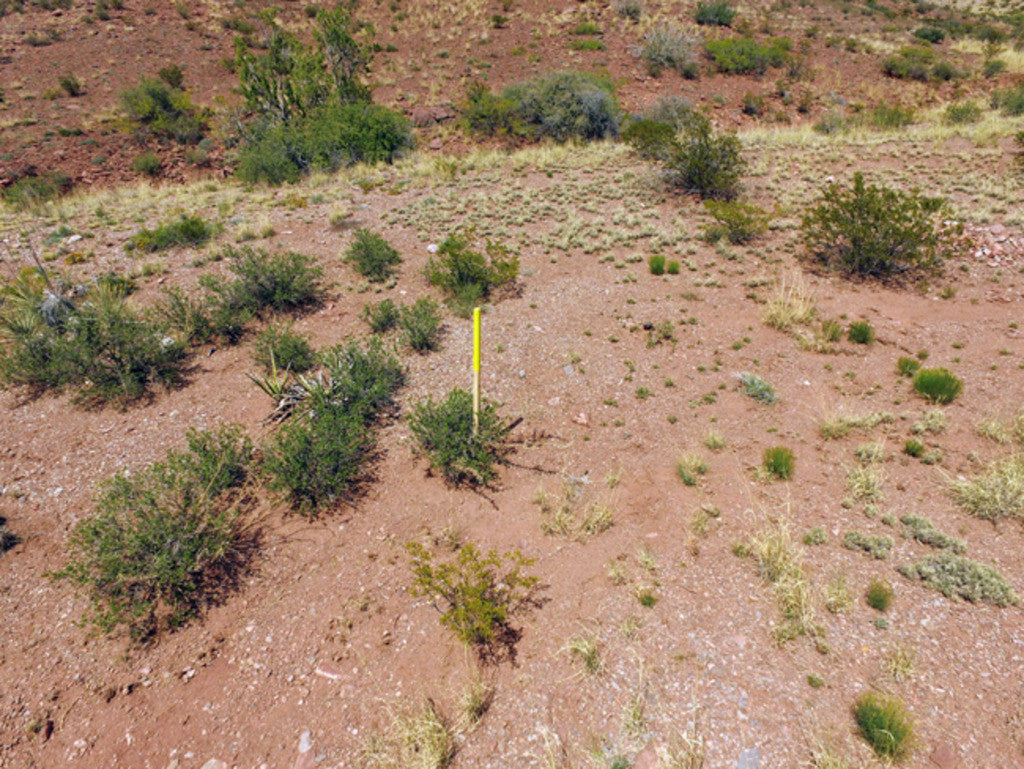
[790, 305]
[780, 562]
[415, 739]
[999, 493]
[838, 596]
[865, 483]
[840, 425]
[899, 662]
[567, 514]
[584, 648]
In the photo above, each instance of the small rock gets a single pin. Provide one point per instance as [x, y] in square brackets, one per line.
[436, 144]
[944, 756]
[582, 419]
[522, 374]
[432, 248]
[646, 759]
[305, 742]
[750, 758]
[215, 763]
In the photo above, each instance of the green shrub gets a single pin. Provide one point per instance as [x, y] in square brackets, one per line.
[907, 366]
[629, 9]
[890, 116]
[924, 531]
[876, 546]
[698, 161]
[690, 467]
[911, 62]
[147, 163]
[879, 594]
[998, 493]
[188, 231]
[444, 433]
[656, 263]
[745, 56]
[668, 47]
[886, 724]
[672, 267]
[780, 462]
[166, 539]
[372, 256]
[757, 388]
[930, 34]
[383, 316]
[280, 348]
[32, 190]
[960, 113]
[937, 385]
[913, 448]
[957, 577]
[478, 594]
[562, 106]
[70, 84]
[736, 222]
[172, 74]
[993, 68]
[421, 324]
[861, 333]
[164, 112]
[715, 13]
[587, 44]
[468, 276]
[362, 380]
[186, 316]
[1010, 100]
[332, 136]
[815, 536]
[878, 232]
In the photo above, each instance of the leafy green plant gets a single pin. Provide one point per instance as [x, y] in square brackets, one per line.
[443, 431]
[668, 47]
[160, 110]
[861, 333]
[957, 577]
[930, 34]
[147, 163]
[875, 546]
[886, 724]
[744, 55]
[913, 448]
[916, 63]
[815, 536]
[736, 222]
[879, 594]
[656, 263]
[477, 594]
[165, 539]
[961, 113]
[421, 324]
[468, 276]
[372, 256]
[1010, 100]
[907, 366]
[878, 232]
[937, 385]
[714, 13]
[188, 231]
[382, 316]
[780, 462]
[282, 348]
[757, 388]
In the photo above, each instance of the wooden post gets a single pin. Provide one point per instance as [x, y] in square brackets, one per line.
[476, 370]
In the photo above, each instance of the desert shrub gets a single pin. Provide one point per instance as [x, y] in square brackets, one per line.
[383, 316]
[70, 84]
[629, 9]
[332, 136]
[147, 163]
[913, 448]
[875, 546]
[468, 276]
[672, 267]
[1010, 100]
[656, 264]
[477, 594]
[697, 161]
[911, 62]
[443, 431]
[878, 232]
[263, 282]
[160, 110]
[165, 539]
[745, 56]
[736, 222]
[889, 116]
[930, 34]
[587, 44]
[757, 388]
[188, 231]
[924, 531]
[993, 68]
[172, 74]
[668, 47]
[957, 577]
[815, 536]
[97, 344]
[879, 594]
[996, 494]
[318, 457]
[944, 70]
[907, 366]
[562, 106]
[937, 385]
[960, 113]
[690, 467]
[714, 13]
[886, 725]
[372, 256]
[861, 332]
[779, 461]
[185, 316]
[32, 190]
[280, 348]
[421, 324]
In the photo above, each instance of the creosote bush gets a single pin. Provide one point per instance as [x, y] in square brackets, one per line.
[736, 222]
[744, 55]
[382, 316]
[714, 13]
[443, 431]
[861, 332]
[166, 539]
[468, 276]
[281, 348]
[886, 724]
[188, 231]
[477, 593]
[877, 232]
[372, 256]
[421, 324]
[937, 385]
[160, 110]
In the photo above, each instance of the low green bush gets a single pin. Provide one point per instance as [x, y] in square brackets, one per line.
[861, 332]
[160, 110]
[421, 325]
[890, 116]
[780, 462]
[467, 276]
[188, 232]
[187, 317]
[918, 63]
[147, 163]
[930, 34]
[714, 13]
[960, 113]
[913, 448]
[878, 232]
[1010, 100]
[8, 538]
[746, 56]
[937, 385]
[886, 725]
[957, 577]
[879, 594]
[477, 594]
[382, 316]
[33, 190]
[736, 222]
[164, 540]
[443, 431]
[372, 256]
[907, 366]
[924, 531]
[560, 106]
[279, 348]
[876, 546]
[656, 264]
[757, 388]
